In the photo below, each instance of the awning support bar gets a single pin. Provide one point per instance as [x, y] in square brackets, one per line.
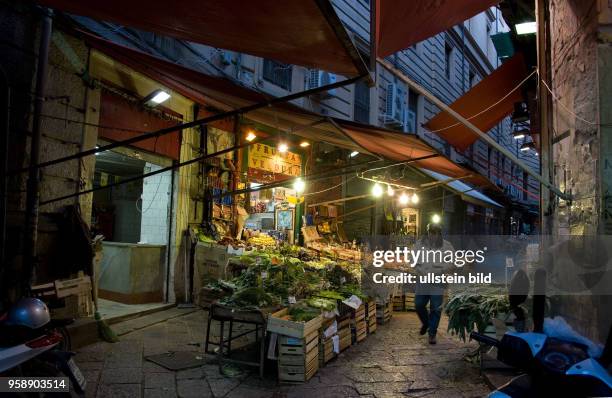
[415, 86]
[199, 122]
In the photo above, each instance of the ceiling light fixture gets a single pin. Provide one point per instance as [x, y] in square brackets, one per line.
[526, 28]
[156, 98]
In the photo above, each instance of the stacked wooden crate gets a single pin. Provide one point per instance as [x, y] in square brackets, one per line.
[344, 331]
[298, 358]
[371, 316]
[70, 298]
[383, 311]
[409, 302]
[398, 303]
[358, 324]
[326, 342]
[298, 346]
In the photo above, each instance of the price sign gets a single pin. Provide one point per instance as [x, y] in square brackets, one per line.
[292, 300]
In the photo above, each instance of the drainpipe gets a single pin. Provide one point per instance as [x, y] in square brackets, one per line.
[33, 187]
[171, 223]
[5, 94]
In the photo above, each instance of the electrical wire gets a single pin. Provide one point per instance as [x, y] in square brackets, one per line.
[329, 189]
[489, 107]
[569, 111]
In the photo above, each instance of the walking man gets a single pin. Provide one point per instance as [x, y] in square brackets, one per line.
[431, 293]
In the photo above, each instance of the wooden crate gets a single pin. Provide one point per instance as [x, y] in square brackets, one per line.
[398, 303]
[345, 338]
[383, 312]
[372, 325]
[326, 350]
[409, 302]
[371, 309]
[280, 323]
[298, 358]
[361, 329]
[74, 294]
[359, 313]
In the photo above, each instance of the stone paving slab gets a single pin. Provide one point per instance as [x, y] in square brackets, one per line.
[393, 362]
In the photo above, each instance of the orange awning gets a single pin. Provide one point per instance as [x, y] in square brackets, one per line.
[225, 94]
[301, 32]
[402, 23]
[478, 100]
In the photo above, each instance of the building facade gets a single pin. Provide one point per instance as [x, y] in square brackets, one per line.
[448, 65]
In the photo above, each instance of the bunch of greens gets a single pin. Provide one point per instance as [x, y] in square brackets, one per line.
[321, 303]
[303, 313]
[250, 298]
[469, 311]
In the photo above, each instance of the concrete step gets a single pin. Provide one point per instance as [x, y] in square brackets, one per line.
[142, 322]
[84, 331]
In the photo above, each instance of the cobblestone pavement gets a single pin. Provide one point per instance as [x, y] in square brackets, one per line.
[393, 362]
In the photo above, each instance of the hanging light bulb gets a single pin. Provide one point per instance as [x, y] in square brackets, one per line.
[415, 198]
[282, 147]
[299, 185]
[250, 136]
[436, 219]
[403, 199]
[390, 190]
[377, 190]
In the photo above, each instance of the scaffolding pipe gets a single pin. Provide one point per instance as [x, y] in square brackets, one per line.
[199, 122]
[33, 185]
[415, 86]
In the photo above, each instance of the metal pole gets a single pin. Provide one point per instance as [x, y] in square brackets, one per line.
[195, 123]
[475, 129]
[33, 185]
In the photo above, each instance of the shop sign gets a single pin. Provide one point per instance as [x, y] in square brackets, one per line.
[267, 158]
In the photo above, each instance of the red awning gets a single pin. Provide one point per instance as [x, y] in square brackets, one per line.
[401, 146]
[225, 94]
[402, 23]
[301, 32]
[478, 101]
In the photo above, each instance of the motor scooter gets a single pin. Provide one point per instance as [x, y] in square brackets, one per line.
[34, 345]
[552, 366]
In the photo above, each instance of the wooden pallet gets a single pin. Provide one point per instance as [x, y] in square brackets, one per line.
[298, 358]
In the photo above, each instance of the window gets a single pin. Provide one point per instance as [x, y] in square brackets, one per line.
[413, 106]
[362, 102]
[448, 58]
[277, 73]
[472, 78]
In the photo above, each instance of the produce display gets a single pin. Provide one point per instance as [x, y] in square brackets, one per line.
[262, 240]
[289, 275]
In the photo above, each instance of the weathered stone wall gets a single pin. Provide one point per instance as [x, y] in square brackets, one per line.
[582, 86]
[61, 126]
